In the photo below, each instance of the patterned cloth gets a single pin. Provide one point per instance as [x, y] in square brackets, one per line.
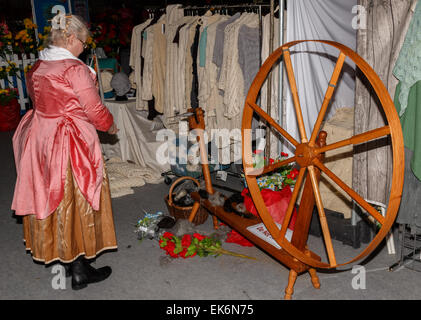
[408, 66]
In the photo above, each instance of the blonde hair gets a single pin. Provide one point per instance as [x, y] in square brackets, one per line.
[63, 26]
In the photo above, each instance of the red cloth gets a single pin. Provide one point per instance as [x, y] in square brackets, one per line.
[276, 202]
[235, 237]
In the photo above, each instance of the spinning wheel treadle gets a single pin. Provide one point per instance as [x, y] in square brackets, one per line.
[309, 157]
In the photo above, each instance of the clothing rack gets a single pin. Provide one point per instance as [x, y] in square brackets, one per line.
[258, 7]
[152, 12]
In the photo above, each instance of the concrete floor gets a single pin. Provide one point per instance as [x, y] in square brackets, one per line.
[141, 270]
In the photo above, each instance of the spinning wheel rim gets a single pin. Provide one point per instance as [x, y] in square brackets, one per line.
[393, 129]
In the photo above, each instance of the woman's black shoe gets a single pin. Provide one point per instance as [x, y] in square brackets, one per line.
[83, 273]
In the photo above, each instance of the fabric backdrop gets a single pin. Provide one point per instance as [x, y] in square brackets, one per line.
[321, 20]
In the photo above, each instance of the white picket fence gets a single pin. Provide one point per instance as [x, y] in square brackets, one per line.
[18, 82]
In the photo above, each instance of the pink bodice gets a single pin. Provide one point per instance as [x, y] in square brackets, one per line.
[61, 127]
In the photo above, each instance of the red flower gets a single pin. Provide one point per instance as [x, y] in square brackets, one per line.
[198, 236]
[186, 241]
[293, 174]
[169, 248]
[257, 151]
[183, 253]
[168, 235]
[283, 154]
[271, 161]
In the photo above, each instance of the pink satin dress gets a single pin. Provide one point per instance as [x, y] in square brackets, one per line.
[61, 127]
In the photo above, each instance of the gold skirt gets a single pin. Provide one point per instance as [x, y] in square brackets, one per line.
[74, 228]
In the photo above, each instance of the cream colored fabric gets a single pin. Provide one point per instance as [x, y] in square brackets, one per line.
[208, 95]
[231, 79]
[106, 77]
[134, 141]
[147, 72]
[339, 161]
[173, 74]
[180, 75]
[124, 176]
[175, 17]
[135, 62]
[159, 62]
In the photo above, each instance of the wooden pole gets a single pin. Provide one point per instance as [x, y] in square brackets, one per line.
[269, 80]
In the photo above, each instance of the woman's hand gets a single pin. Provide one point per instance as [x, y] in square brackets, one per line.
[113, 129]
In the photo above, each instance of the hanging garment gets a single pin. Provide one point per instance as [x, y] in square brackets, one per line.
[135, 61]
[180, 74]
[248, 54]
[231, 79]
[175, 17]
[194, 101]
[174, 71]
[217, 57]
[147, 71]
[159, 62]
[191, 32]
[209, 96]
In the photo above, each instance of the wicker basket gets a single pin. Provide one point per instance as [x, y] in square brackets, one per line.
[184, 212]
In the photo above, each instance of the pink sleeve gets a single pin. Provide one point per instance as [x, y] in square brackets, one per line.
[87, 94]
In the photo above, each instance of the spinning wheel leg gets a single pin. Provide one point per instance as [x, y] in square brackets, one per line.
[313, 274]
[314, 278]
[215, 222]
[289, 290]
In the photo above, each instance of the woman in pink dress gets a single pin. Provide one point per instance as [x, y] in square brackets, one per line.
[62, 189]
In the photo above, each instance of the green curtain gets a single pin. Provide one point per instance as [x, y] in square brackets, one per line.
[411, 124]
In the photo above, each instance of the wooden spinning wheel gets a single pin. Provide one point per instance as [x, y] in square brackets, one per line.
[309, 157]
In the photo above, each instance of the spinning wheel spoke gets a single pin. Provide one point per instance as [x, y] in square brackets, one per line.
[364, 204]
[269, 168]
[292, 201]
[322, 216]
[272, 122]
[328, 95]
[357, 139]
[294, 92]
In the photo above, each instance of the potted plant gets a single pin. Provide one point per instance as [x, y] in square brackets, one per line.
[9, 109]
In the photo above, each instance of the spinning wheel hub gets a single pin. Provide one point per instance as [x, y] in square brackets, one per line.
[305, 155]
[307, 152]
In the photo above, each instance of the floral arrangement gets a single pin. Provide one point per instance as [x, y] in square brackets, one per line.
[21, 42]
[6, 39]
[6, 95]
[112, 31]
[189, 246]
[276, 180]
[10, 70]
[25, 40]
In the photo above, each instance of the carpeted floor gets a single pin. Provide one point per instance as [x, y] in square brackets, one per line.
[141, 270]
